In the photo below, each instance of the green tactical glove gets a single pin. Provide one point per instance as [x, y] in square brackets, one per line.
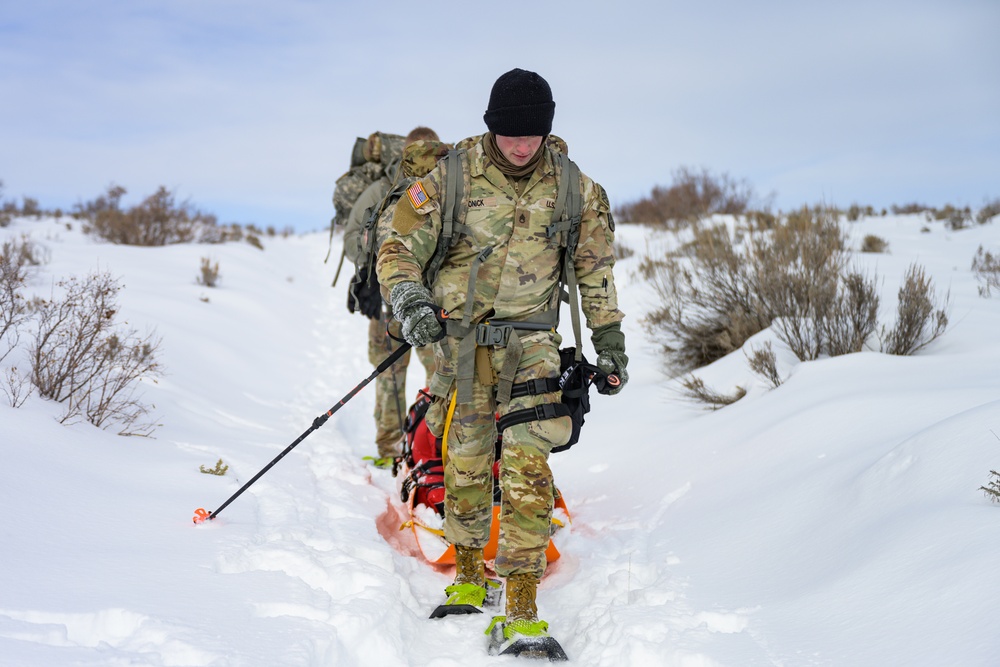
[609, 341]
[414, 307]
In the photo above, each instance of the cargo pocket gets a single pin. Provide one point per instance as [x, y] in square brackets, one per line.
[435, 416]
[550, 432]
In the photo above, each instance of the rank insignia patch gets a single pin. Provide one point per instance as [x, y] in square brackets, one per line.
[417, 195]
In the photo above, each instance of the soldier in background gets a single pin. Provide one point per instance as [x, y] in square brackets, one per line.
[504, 267]
[364, 297]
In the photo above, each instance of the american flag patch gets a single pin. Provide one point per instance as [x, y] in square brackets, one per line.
[417, 195]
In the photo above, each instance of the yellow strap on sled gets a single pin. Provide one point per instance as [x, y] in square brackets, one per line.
[447, 426]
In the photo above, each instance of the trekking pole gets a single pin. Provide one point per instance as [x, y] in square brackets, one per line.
[201, 515]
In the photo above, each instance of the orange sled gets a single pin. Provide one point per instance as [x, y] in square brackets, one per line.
[425, 522]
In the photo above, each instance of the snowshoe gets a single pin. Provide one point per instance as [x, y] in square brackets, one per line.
[470, 598]
[523, 639]
[383, 462]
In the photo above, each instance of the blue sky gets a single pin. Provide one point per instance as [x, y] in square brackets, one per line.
[249, 109]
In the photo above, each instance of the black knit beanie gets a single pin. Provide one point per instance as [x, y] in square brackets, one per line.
[520, 105]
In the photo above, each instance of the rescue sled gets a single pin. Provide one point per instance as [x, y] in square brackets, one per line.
[421, 488]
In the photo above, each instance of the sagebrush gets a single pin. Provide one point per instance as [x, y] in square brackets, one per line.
[695, 389]
[992, 489]
[725, 285]
[209, 273]
[986, 266]
[874, 244]
[158, 220]
[81, 357]
[693, 195]
[920, 319]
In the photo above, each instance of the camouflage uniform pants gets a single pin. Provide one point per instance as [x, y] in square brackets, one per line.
[525, 477]
[391, 401]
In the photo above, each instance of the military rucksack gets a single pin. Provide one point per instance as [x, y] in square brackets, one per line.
[369, 159]
[417, 160]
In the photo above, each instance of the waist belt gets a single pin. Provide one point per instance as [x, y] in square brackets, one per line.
[495, 333]
[498, 332]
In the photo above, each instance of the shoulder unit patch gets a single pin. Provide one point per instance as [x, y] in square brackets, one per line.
[417, 194]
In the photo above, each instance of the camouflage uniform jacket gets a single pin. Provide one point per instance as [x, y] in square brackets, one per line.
[519, 266]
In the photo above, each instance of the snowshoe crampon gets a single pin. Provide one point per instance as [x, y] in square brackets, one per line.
[524, 639]
[470, 598]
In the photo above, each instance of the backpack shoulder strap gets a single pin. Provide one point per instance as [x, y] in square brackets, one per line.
[372, 234]
[566, 219]
[453, 208]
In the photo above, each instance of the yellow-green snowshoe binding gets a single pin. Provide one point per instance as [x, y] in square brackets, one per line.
[524, 639]
[469, 598]
[383, 462]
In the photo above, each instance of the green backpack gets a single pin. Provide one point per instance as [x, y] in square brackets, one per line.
[417, 160]
[370, 158]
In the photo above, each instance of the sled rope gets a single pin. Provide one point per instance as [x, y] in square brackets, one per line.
[447, 426]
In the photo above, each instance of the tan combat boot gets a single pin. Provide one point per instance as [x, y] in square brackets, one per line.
[468, 593]
[521, 590]
[520, 632]
[469, 566]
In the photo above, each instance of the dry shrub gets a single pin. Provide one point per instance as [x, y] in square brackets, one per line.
[988, 212]
[798, 269]
[694, 389]
[717, 293]
[82, 359]
[992, 490]
[956, 218]
[986, 266]
[853, 317]
[764, 363]
[16, 386]
[919, 320]
[219, 469]
[909, 209]
[622, 251]
[693, 195]
[12, 307]
[6, 214]
[856, 211]
[16, 259]
[209, 273]
[722, 295]
[761, 219]
[158, 220]
[709, 307]
[874, 244]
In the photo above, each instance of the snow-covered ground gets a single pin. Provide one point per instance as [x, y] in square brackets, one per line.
[835, 520]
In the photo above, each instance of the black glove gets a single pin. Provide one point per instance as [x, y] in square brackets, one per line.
[364, 295]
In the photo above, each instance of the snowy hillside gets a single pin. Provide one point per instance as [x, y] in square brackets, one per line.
[836, 520]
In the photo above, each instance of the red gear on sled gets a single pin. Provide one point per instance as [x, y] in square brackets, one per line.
[423, 486]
